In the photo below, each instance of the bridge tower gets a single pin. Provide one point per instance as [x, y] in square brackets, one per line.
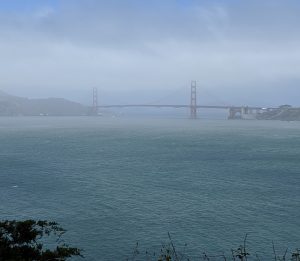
[193, 105]
[95, 101]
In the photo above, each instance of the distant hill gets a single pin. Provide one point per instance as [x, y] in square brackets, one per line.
[17, 106]
[283, 113]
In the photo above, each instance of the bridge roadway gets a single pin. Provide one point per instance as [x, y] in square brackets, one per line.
[179, 106]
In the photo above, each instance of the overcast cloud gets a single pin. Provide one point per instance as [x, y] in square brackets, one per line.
[241, 51]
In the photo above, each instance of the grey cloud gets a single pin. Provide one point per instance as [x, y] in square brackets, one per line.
[127, 45]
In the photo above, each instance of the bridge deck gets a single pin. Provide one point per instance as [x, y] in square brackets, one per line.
[177, 106]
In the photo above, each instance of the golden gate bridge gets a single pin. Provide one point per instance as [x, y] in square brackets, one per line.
[244, 112]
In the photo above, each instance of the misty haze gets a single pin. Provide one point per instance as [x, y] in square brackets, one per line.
[149, 130]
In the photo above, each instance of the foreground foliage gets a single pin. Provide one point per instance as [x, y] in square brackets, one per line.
[25, 241]
[168, 252]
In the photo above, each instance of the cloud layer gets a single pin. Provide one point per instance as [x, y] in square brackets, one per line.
[245, 51]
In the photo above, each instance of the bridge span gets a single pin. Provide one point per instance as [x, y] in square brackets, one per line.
[175, 106]
[243, 112]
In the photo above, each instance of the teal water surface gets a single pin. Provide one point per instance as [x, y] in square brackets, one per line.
[114, 182]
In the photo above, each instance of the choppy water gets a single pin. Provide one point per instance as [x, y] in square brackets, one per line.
[113, 182]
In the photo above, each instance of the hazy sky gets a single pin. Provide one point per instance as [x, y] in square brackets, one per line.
[239, 51]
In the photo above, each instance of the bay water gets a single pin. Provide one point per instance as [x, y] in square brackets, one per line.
[112, 182]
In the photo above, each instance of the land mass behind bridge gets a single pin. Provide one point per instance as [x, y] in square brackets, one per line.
[17, 106]
[283, 113]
